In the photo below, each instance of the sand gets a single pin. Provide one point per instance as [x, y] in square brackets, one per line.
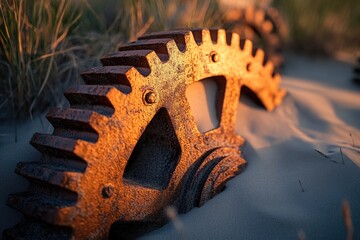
[303, 162]
[289, 190]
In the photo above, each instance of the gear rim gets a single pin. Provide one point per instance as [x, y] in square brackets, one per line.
[64, 178]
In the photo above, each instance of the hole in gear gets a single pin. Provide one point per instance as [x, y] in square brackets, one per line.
[206, 100]
[155, 155]
[249, 98]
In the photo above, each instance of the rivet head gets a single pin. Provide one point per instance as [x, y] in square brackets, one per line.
[249, 67]
[150, 97]
[214, 57]
[107, 191]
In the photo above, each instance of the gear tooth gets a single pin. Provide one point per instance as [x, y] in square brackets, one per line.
[55, 145]
[144, 58]
[190, 40]
[76, 123]
[166, 34]
[259, 16]
[221, 37]
[97, 90]
[275, 41]
[81, 119]
[206, 36]
[259, 56]
[269, 68]
[278, 23]
[249, 14]
[178, 36]
[277, 79]
[267, 26]
[120, 77]
[42, 207]
[201, 36]
[61, 176]
[95, 98]
[159, 45]
[136, 58]
[60, 116]
[111, 75]
[248, 47]
[62, 144]
[235, 40]
[233, 15]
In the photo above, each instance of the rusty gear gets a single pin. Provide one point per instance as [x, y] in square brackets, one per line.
[129, 146]
[265, 27]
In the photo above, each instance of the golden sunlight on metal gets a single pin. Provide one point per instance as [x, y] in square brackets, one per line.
[129, 145]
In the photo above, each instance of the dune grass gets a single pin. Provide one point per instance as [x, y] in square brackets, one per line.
[33, 56]
[322, 26]
[44, 44]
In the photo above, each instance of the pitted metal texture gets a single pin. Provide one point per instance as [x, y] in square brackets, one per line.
[128, 145]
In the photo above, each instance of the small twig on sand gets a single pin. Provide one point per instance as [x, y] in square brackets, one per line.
[302, 188]
[342, 157]
[353, 143]
[325, 156]
[172, 214]
[352, 139]
[347, 219]
[322, 154]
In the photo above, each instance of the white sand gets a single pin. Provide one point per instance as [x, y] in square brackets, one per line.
[12, 152]
[266, 201]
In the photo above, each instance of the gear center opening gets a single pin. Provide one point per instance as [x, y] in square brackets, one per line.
[156, 154]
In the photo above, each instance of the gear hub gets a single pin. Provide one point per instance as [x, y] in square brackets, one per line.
[129, 146]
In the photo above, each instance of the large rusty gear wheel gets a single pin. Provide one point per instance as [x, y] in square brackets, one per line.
[264, 27]
[129, 146]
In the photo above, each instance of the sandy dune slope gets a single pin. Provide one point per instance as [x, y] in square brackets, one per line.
[290, 190]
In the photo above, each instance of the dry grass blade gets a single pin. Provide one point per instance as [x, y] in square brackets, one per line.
[302, 188]
[40, 30]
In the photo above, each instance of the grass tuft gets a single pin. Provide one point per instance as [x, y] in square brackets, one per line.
[322, 26]
[44, 44]
[33, 57]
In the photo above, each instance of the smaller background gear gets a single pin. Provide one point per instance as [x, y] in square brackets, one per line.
[264, 26]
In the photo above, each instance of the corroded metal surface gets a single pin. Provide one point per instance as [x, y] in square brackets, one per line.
[264, 27]
[128, 146]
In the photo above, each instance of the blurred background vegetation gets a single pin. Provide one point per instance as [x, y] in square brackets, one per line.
[45, 44]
